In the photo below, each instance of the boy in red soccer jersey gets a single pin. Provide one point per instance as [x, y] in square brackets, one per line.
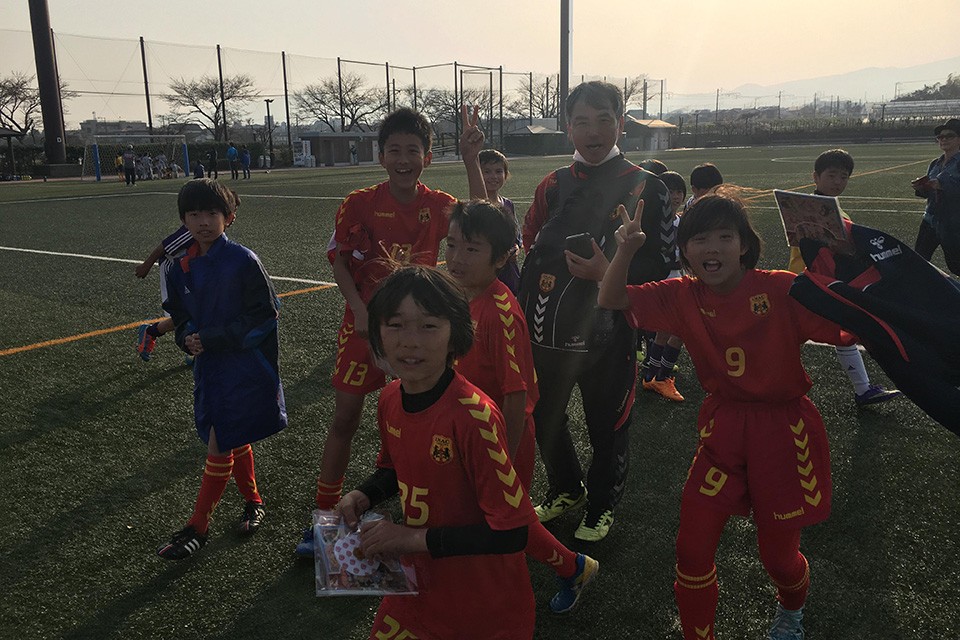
[443, 448]
[479, 242]
[397, 220]
[763, 448]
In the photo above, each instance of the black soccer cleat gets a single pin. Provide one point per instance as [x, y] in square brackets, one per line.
[252, 518]
[184, 544]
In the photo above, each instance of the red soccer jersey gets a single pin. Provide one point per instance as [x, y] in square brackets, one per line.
[372, 225]
[453, 470]
[501, 359]
[745, 345]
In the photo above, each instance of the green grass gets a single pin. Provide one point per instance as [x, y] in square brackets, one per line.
[100, 461]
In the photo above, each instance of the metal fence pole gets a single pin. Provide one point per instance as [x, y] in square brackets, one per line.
[456, 102]
[389, 108]
[340, 85]
[286, 102]
[223, 100]
[500, 146]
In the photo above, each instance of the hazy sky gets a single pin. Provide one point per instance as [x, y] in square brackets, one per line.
[696, 45]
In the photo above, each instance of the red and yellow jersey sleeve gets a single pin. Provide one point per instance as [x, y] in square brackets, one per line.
[500, 361]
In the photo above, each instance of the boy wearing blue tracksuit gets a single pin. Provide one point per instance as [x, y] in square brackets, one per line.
[225, 312]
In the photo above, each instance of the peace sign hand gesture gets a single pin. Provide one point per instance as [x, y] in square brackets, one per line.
[629, 236]
[471, 140]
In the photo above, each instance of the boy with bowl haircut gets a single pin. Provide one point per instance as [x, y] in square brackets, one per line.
[574, 342]
[225, 312]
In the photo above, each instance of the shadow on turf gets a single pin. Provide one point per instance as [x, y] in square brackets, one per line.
[112, 498]
[288, 608]
[73, 408]
[110, 620]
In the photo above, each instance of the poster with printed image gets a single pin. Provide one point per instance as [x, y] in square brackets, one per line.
[806, 215]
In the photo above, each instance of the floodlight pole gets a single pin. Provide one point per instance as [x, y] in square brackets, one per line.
[270, 129]
[564, 84]
[54, 145]
[146, 86]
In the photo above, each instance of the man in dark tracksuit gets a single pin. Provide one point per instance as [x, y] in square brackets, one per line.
[575, 342]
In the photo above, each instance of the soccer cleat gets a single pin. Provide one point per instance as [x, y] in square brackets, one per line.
[666, 388]
[556, 504]
[305, 546]
[875, 394]
[571, 588]
[787, 625]
[594, 527]
[252, 518]
[145, 342]
[184, 543]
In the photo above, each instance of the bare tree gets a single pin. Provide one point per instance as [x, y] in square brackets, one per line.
[633, 90]
[360, 102]
[543, 96]
[20, 102]
[199, 101]
[443, 105]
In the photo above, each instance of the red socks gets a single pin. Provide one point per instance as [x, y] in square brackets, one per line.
[544, 548]
[328, 494]
[697, 597]
[243, 473]
[216, 474]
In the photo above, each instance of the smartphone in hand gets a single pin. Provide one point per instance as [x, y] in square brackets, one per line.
[580, 244]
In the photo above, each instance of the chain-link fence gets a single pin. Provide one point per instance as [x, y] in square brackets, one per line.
[215, 94]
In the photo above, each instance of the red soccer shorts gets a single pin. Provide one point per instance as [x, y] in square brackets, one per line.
[771, 458]
[355, 371]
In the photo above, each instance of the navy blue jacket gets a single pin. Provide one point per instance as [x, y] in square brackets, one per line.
[903, 309]
[226, 296]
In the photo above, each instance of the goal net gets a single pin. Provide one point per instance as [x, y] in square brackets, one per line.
[157, 157]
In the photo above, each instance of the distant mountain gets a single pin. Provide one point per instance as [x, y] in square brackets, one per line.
[873, 84]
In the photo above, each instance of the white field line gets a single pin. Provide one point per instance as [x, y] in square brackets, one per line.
[128, 261]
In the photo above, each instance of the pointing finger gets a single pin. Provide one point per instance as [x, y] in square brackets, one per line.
[622, 210]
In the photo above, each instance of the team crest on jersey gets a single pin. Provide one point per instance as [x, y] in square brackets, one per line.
[547, 282]
[760, 304]
[424, 216]
[441, 449]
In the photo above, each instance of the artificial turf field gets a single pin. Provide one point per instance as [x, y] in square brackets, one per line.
[101, 462]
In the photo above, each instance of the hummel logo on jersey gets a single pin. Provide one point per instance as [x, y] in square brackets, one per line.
[883, 253]
[186, 289]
